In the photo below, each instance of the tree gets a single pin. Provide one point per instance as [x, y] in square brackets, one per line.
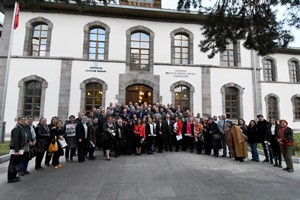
[253, 21]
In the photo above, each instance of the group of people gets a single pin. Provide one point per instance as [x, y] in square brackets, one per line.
[137, 129]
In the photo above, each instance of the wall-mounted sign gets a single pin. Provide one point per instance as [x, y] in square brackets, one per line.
[95, 69]
[181, 73]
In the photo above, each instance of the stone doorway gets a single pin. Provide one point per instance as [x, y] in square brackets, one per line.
[139, 93]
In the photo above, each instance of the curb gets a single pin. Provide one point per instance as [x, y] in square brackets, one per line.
[4, 158]
[295, 159]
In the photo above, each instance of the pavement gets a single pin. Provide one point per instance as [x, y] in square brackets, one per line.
[164, 176]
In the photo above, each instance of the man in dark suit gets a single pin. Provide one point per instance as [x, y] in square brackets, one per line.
[81, 134]
[161, 136]
[168, 131]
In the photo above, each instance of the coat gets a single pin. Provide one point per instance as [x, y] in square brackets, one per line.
[18, 140]
[43, 138]
[167, 129]
[252, 135]
[262, 130]
[70, 135]
[237, 142]
[93, 131]
[159, 128]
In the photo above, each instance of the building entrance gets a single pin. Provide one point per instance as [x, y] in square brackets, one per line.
[139, 94]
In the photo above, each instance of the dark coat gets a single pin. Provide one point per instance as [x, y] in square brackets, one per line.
[252, 135]
[80, 132]
[18, 140]
[43, 138]
[159, 128]
[269, 136]
[262, 130]
[93, 131]
[106, 131]
[168, 129]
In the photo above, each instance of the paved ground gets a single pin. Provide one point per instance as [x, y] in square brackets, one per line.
[160, 176]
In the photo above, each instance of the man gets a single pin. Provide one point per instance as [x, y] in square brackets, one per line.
[224, 133]
[81, 134]
[262, 125]
[167, 130]
[17, 142]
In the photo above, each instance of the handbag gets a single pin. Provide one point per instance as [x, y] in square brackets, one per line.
[53, 147]
[216, 136]
[32, 153]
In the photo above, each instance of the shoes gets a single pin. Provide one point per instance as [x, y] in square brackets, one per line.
[290, 170]
[275, 165]
[280, 166]
[48, 165]
[224, 155]
[266, 160]
[59, 165]
[21, 173]
[14, 180]
[108, 159]
[26, 172]
[56, 167]
[92, 158]
[286, 169]
[67, 160]
[39, 168]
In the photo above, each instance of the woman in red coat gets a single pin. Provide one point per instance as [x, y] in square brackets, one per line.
[140, 136]
[177, 129]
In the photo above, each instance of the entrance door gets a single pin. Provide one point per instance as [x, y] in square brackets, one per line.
[139, 94]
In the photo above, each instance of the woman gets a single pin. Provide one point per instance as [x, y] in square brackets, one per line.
[150, 135]
[286, 141]
[129, 136]
[198, 135]
[190, 134]
[57, 132]
[120, 139]
[53, 123]
[108, 134]
[273, 145]
[237, 142]
[185, 135]
[70, 135]
[93, 132]
[242, 125]
[140, 136]
[253, 139]
[160, 135]
[214, 131]
[177, 129]
[42, 141]
[207, 137]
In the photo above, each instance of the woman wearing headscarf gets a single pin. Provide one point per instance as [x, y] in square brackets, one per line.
[70, 136]
[286, 140]
[42, 141]
[93, 133]
[214, 131]
[237, 142]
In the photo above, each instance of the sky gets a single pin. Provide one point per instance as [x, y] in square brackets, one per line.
[172, 4]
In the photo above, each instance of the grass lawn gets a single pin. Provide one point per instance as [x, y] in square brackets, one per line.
[297, 146]
[4, 148]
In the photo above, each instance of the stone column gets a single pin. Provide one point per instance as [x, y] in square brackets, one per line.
[4, 45]
[256, 85]
[206, 92]
[64, 89]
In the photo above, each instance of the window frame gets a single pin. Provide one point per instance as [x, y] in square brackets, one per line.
[294, 73]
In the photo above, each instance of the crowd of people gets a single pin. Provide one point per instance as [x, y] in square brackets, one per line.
[144, 129]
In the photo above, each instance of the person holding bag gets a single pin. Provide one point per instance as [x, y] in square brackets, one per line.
[57, 133]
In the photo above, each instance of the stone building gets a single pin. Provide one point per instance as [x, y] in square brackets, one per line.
[64, 61]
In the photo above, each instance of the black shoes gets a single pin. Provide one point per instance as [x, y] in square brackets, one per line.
[266, 160]
[14, 180]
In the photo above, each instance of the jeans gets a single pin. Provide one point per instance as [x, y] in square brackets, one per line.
[264, 145]
[253, 147]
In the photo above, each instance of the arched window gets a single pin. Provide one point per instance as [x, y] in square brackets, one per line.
[182, 97]
[93, 96]
[294, 71]
[32, 99]
[181, 43]
[38, 37]
[272, 107]
[269, 70]
[296, 106]
[232, 103]
[140, 51]
[39, 40]
[97, 43]
[229, 55]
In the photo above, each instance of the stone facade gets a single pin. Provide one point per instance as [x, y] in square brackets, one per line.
[206, 91]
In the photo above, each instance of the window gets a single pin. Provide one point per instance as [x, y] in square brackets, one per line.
[232, 103]
[182, 97]
[181, 43]
[93, 96]
[97, 43]
[39, 40]
[296, 107]
[269, 70]
[229, 55]
[140, 51]
[32, 100]
[272, 107]
[294, 71]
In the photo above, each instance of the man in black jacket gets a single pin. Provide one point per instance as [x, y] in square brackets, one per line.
[17, 142]
[262, 125]
[168, 132]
